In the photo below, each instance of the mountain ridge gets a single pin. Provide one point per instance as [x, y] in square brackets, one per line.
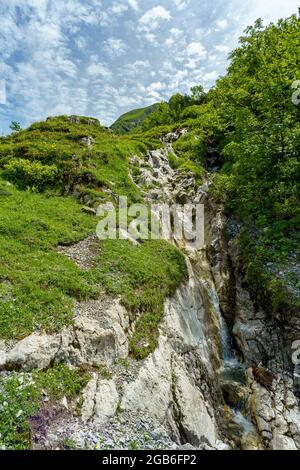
[131, 119]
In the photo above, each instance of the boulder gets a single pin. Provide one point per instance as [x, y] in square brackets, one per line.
[100, 401]
[87, 141]
[74, 119]
[34, 352]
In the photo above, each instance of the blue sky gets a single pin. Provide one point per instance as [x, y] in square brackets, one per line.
[102, 58]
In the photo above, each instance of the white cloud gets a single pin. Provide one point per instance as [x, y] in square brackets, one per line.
[153, 18]
[2, 92]
[222, 48]
[156, 86]
[169, 42]
[196, 49]
[191, 64]
[81, 43]
[98, 69]
[132, 70]
[210, 76]
[151, 38]
[181, 4]
[118, 8]
[221, 24]
[175, 39]
[134, 5]
[181, 74]
[114, 47]
[176, 32]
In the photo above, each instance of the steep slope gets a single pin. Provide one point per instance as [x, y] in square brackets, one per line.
[132, 119]
[246, 132]
[101, 381]
[53, 175]
[157, 344]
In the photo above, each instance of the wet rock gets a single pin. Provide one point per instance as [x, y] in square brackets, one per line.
[251, 441]
[235, 394]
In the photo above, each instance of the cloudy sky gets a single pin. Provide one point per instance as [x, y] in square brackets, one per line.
[103, 57]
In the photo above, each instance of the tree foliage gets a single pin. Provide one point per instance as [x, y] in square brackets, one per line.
[15, 126]
[248, 129]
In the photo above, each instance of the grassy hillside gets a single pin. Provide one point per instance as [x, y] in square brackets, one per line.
[246, 132]
[51, 156]
[47, 173]
[132, 119]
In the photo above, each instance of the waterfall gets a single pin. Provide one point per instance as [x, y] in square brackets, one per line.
[231, 369]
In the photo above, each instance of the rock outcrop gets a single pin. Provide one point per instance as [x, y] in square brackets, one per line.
[220, 377]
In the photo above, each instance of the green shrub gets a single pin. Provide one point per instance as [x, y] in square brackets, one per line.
[223, 187]
[28, 174]
[61, 381]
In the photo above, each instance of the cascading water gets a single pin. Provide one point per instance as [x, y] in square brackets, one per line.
[232, 370]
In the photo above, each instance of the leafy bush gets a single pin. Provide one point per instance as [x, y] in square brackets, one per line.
[25, 173]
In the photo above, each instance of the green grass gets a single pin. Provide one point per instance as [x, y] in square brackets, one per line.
[17, 403]
[20, 399]
[61, 381]
[132, 119]
[38, 285]
[144, 276]
[48, 156]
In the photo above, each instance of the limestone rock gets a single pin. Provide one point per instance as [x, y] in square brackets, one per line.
[195, 419]
[2, 359]
[87, 343]
[34, 352]
[87, 141]
[74, 119]
[151, 391]
[100, 401]
[89, 210]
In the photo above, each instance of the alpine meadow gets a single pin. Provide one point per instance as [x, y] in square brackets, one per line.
[152, 343]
